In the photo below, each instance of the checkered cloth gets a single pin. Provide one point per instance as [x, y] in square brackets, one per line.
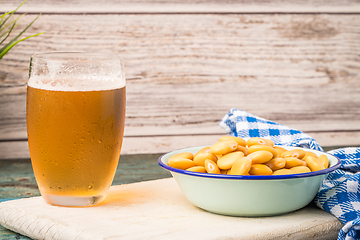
[340, 192]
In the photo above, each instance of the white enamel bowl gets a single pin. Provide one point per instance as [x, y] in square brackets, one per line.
[249, 195]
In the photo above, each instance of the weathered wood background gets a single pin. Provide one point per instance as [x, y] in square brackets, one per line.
[189, 62]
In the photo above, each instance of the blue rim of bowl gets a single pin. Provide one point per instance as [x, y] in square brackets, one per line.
[251, 177]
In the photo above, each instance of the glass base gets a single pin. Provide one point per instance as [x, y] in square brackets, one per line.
[70, 201]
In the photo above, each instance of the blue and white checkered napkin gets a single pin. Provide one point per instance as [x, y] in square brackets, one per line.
[340, 191]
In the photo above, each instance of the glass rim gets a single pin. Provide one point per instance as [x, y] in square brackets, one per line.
[77, 56]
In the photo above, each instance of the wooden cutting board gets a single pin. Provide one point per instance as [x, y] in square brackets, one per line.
[157, 210]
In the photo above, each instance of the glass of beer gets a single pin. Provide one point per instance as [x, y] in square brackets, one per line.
[75, 114]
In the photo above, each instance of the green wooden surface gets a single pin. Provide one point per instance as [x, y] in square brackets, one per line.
[17, 179]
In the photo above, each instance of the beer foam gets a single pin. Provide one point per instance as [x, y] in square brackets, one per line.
[77, 83]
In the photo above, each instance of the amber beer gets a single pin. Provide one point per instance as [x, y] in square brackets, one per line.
[75, 139]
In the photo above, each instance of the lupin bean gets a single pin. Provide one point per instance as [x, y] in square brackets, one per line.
[226, 161]
[314, 164]
[240, 141]
[269, 142]
[259, 141]
[293, 162]
[242, 149]
[260, 169]
[301, 169]
[308, 153]
[256, 156]
[200, 169]
[200, 158]
[260, 156]
[224, 147]
[280, 150]
[324, 160]
[204, 149]
[181, 163]
[211, 167]
[297, 153]
[187, 155]
[276, 163]
[284, 171]
[255, 148]
[241, 166]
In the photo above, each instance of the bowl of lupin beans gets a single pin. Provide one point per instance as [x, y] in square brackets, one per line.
[251, 178]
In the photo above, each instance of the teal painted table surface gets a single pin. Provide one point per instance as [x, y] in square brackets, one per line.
[17, 179]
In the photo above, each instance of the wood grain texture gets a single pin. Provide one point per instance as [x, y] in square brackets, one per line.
[183, 6]
[186, 71]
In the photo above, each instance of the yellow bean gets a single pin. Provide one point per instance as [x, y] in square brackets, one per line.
[308, 153]
[300, 169]
[269, 142]
[314, 164]
[298, 153]
[241, 166]
[200, 158]
[204, 149]
[324, 160]
[260, 156]
[283, 171]
[181, 163]
[239, 140]
[200, 169]
[242, 149]
[291, 162]
[276, 163]
[211, 167]
[223, 147]
[259, 141]
[280, 150]
[260, 169]
[187, 155]
[227, 160]
[255, 148]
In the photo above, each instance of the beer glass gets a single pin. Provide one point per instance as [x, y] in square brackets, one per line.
[75, 123]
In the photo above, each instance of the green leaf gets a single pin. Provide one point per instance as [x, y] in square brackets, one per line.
[7, 31]
[8, 47]
[3, 16]
[11, 13]
[10, 30]
[12, 22]
[15, 38]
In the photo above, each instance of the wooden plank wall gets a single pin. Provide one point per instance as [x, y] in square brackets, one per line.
[189, 62]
